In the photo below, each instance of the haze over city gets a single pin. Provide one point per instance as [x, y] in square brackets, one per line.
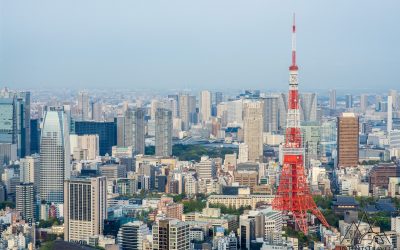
[352, 45]
[199, 125]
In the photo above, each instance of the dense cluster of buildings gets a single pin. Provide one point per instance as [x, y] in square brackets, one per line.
[89, 165]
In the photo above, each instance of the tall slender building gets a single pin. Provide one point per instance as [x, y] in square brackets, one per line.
[55, 164]
[253, 130]
[395, 99]
[25, 200]
[332, 99]
[349, 101]
[131, 130]
[205, 105]
[30, 170]
[308, 107]
[271, 114]
[363, 102]
[163, 132]
[85, 207]
[83, 105]
[348, 140]
[293, 195]
[389, 114]
[8, 121]
[15, 120]
[184, 112]
[218, 98]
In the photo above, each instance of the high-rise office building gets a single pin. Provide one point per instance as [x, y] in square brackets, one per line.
[389, 122]
[395, 98]
[363, 102]
[131, 130]
[332, 99]
[348, 140]
[205, 105]
[25, 200]
[328, 139]
[219, 96]
[184, 112]
[97, 111]
[107, 132]
[8, 121]
[283, 107]
[35, 136]
[8, 153]
[308, 107]
[271, 114]
[349, 101]
[29, 170]
[83, 105]
[193, 111]
[253, 130]
[85, 208]
[15, 114]
[55, 164]
[163, 132]
[171, 234]
[311, 132]
[131, 235]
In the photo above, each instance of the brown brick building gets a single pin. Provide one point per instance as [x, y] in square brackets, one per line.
[348, 140]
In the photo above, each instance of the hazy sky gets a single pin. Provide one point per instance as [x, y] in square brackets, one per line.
[216, 44]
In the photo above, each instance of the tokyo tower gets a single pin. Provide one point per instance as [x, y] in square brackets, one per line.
[293, 194]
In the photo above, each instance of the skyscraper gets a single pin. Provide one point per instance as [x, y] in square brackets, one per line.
[83, 105]
[35, 136]
[54, 155]
[253, 130]
[332, 99]
[348, 140]
[308, 107]
[131, 130]
[30, 170]
[218, 98]
[163, 132]
[8, 121]
[193, 114]
[205, 105]
[15, 120]
[349, 101]
[97, 111]
[271, 114]
[25, 200]
[85, 208]
[311, 132]
[389, 114]
[184, 112]
[363, 102]
[395, 98]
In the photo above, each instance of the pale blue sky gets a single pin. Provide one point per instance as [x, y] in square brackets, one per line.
[216, 44]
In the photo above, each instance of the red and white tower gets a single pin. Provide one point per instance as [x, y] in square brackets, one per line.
[293, 194]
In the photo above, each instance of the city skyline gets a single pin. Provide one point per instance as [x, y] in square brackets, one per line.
[212, 45]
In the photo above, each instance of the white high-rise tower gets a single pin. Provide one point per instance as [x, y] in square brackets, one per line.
[54, 155]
